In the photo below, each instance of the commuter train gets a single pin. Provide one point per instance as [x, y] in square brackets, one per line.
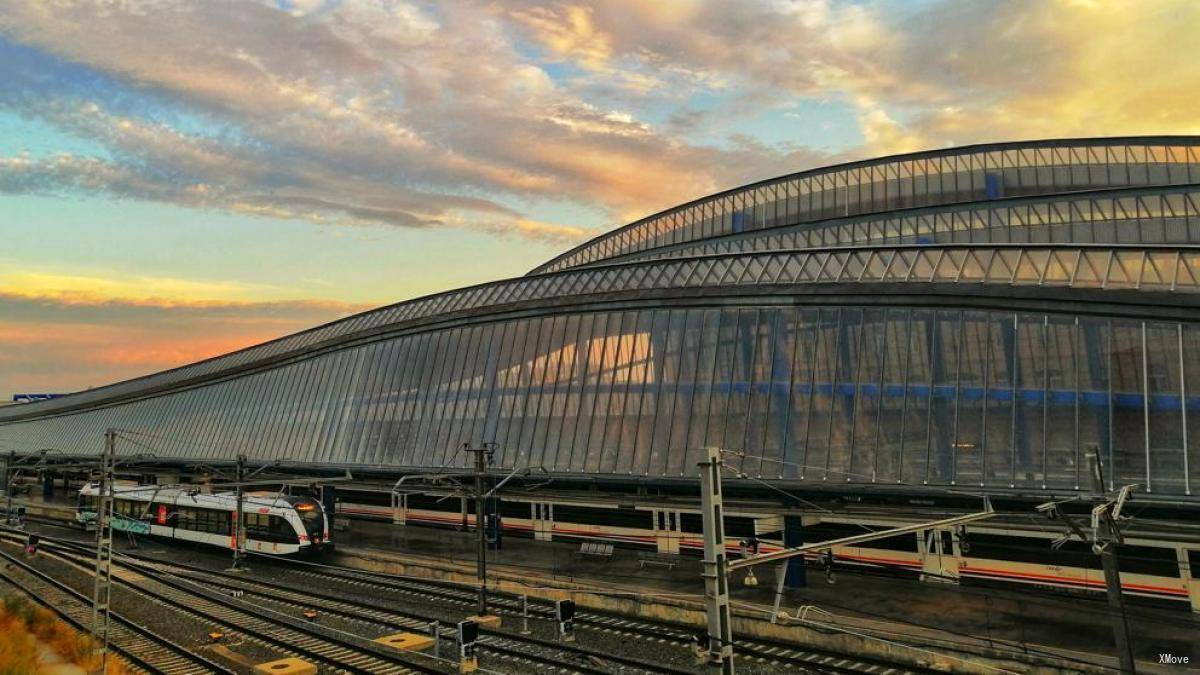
[275, 524]
[982, 553]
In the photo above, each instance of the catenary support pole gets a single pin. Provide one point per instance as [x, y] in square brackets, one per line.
[716, 573]
[1105, 540]
[8, 487]
[239, 518]
[483, 455]
[102, 583]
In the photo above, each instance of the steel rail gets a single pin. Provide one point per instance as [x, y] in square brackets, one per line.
[139, 658]
[294, 636]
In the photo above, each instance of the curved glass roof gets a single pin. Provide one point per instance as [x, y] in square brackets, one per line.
[938, 177]
[1138, 268]
[1166, 215]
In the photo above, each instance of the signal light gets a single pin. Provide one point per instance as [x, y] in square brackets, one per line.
[468, 633]
[564, 613]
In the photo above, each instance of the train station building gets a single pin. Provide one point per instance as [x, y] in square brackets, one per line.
[965, 320]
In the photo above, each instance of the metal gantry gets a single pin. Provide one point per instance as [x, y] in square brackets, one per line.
[717, 567]
[1104, 535]
[102, 582]
[716, 563]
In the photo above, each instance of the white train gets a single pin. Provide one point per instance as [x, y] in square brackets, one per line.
[275, 524]
[984, 553]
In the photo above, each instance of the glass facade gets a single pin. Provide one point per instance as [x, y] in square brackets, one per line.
[969, 174]
[991, 343]
[1162, 216]
[836, 393]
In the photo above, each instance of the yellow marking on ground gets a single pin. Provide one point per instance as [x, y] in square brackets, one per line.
[290, 666]
[408, 642]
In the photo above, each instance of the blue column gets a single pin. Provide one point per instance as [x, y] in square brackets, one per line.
[793, 535]
[1097, 397]
[941, 418]
[1021, 452]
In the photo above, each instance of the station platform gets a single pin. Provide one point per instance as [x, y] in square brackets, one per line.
[1030, 625]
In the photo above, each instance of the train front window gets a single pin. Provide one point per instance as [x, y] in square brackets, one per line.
[310, 515]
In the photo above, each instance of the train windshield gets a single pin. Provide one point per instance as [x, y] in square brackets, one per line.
[310, 514]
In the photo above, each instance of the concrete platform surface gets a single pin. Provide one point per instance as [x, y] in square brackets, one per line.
[1024, 619]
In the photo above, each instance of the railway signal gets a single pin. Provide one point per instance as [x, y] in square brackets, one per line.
[468, 633]
[564, 615]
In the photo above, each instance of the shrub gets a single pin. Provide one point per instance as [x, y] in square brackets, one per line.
[23, 624]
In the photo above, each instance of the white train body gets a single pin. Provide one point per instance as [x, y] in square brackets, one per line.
[275, 525]
[1155, 569]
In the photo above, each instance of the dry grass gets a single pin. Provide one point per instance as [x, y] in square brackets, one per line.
[23, 624]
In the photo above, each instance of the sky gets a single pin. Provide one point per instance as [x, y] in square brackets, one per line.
[180, 179]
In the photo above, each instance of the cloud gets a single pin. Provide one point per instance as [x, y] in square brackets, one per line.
[72, 342]
[362, 113]
[462, 114]
[80, 289]
[917, 75]
[569, 32]
[1051, 69]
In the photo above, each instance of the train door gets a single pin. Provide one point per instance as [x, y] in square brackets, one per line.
[666, 531]
[1189, 569]
[940, 556]
[399, 508]
[543, 521]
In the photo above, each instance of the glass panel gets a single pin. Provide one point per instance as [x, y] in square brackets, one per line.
[1128, 403]
[1165, 414]
[706, 362]
[561, 397]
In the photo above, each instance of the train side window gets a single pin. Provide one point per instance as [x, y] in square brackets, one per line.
[632, 518]
[510, 509]
[1032, 550]
[735, 526]
[827, 531]
[365, 497]
[739, 527]
[434, 503]
[1153, 560]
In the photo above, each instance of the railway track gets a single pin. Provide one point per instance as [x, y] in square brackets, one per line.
[184, 583]
[781, 656]
[525, 652]
[547, 656]
[145, 651]
[543, 655]
[341, 653]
